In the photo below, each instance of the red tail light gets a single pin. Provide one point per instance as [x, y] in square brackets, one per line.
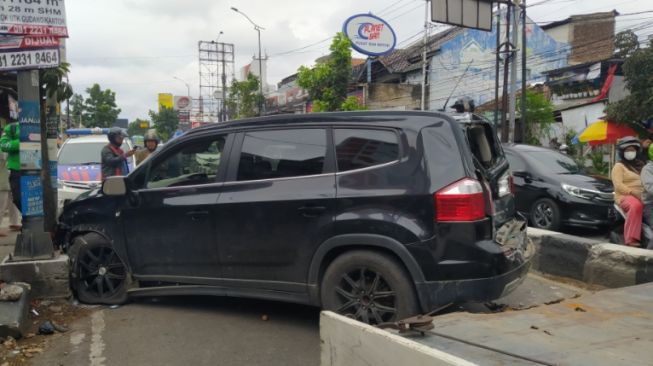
[461, 201]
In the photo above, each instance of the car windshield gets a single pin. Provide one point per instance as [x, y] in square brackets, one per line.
[554, 162]
[84, 153]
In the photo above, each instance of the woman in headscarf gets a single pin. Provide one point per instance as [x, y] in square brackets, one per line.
[628, 188]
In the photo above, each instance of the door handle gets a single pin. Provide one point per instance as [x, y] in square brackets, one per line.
[196, 215]
[312, 211]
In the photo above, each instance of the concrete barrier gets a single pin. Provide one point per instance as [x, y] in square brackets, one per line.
[590, 261]
[48, 278]
[347, 342]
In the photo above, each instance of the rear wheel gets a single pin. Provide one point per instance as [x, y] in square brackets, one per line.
[368, 286]
[545, 214]
[98, 275]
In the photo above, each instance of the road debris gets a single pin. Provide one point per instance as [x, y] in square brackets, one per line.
[10, 292]
[578, 308]
[534, 327]
[46, 328]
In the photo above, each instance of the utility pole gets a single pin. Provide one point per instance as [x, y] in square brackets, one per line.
[523, 72]
[504, 99]
[513, 72]
[424, 42]
[497, 68]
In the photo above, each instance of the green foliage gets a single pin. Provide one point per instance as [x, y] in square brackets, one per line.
[572, 149]
[351, 104]
[52, 81]
[625, 42]
[244, 97]
[638, 106]
[598, 164]
[539, 116]
[98, 110]
[165, 122]
[327, 82]
[134, 128]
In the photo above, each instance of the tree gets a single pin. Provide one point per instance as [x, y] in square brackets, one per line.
[327, 82]
[100, 108]
[638, 106]
[76, 109]
[625, 42]
[166, 122]
[244, 97]
[135, 128]
[539, 116]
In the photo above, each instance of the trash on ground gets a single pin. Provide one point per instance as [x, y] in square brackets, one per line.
[46, 328]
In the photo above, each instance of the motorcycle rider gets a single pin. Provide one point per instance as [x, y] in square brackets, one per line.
[114, 159]
[151, 141]
[628, 188]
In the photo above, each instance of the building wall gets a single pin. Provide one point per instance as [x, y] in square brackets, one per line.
[592, 38]
[578, 118]
[475, 49]
[560, 33]
[393, 96]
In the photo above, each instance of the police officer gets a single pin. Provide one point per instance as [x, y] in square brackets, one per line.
[151, 141]
[114, 159]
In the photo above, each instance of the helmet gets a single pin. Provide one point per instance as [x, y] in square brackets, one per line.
[628, 141]
[151, 135]
[115, 132]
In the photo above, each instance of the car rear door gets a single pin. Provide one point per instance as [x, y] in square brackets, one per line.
[276, 206]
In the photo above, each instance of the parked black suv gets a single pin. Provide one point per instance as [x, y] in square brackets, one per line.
[380, 215]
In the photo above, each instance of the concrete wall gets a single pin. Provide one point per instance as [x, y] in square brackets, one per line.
[577, 118]
[391, 96]
[560, 33]
[347, 342]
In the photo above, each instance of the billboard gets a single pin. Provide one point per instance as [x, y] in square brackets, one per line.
[165, 100]
[476, 14]
[370, 35]
[182, 103]
[34, 17]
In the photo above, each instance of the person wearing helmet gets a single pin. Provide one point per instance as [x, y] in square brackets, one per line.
[114, 159]
[628, 188]
[151, 141]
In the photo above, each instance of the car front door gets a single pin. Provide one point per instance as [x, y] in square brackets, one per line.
[169, 229]
[276, 206]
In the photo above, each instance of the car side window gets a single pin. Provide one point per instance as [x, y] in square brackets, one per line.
[195, 163]
[282, 154]
[516, 164]
[361, 148]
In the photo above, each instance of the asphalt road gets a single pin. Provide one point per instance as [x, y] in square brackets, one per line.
[223, 331]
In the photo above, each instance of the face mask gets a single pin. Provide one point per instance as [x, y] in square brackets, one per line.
[630, 155]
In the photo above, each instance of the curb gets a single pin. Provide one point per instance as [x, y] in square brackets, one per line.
[48, 278]
[14, 320]
[590, 261]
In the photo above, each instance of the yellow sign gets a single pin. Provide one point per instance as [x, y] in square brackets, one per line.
[165, 100]
[144, 124]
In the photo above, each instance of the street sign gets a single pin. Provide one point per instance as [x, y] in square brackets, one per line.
[144, 124]
[475, 14]
[29, 59]
[370, 35]
[33, 17]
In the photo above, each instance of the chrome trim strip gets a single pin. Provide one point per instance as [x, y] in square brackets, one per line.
[369, 168]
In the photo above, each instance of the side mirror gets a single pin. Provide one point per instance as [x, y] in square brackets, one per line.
[114, 186]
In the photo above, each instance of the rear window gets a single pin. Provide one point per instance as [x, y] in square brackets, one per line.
[282, 153]
[483, 144]
[360, 148]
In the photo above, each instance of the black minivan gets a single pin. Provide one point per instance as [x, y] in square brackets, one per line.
[376, 215]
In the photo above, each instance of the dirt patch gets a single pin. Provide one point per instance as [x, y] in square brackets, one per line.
[571, 282]
[61, 313]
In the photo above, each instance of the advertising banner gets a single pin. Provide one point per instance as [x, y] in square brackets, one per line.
[27, 42]
[31, 193]
[370, 35]
[33, 17]
[165, 100]
[28, 59]
[29, 118]
[182, 103]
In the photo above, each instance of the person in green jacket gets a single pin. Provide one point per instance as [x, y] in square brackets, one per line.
[10, 143]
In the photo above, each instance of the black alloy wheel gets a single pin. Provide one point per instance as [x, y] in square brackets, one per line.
[545, 215]
[366, 296]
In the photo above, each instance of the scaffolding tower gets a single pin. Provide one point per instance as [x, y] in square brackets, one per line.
[216, 62]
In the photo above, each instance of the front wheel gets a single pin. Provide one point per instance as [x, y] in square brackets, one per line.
[545, 214]
[98, 275]
[370, 287]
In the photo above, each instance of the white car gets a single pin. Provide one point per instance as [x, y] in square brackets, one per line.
[79, 168]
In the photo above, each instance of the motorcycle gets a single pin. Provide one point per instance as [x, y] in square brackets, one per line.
[616, 235]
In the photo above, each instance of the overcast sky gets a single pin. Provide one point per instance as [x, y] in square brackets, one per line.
[136, 47]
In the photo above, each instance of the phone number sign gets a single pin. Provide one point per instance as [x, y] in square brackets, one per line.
[33, 17]
[34, 59]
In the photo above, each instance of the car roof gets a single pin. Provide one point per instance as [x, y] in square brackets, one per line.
[327, 117]
[89, 139]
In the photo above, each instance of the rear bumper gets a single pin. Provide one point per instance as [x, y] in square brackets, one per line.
[433, 294]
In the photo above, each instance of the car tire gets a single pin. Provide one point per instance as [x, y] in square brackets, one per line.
[368, 286]
[97, 274]
[545, 214]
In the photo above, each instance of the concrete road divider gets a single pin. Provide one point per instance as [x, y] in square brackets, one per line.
[48, 278]
[590, 261]
[347, 342]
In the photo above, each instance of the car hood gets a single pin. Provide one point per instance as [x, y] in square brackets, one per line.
[587, 182]
[80, 173]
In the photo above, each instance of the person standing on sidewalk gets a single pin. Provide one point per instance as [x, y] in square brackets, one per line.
[6, 202]
[10, 144]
